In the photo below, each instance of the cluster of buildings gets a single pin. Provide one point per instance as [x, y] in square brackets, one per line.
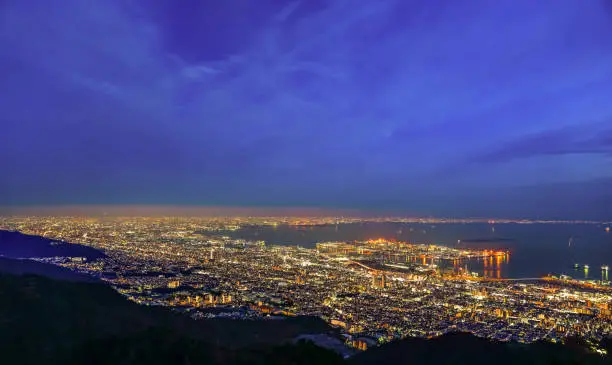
[373, 291]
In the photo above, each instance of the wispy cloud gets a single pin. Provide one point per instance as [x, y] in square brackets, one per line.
[287, 11]
[305, 95]
[588, 138]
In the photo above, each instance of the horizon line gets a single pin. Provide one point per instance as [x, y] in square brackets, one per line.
[178, 210]
[170, 209]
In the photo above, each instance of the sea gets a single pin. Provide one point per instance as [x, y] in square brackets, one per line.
[536, 250]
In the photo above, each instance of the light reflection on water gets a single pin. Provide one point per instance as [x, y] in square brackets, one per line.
[536, 249]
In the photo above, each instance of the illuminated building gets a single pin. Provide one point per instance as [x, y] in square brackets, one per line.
[338, 323]
[379, 281]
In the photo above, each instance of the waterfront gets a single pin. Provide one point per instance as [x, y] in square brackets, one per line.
[373, 291]
[536, 249]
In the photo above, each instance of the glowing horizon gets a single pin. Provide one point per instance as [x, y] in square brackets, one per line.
[160, 210]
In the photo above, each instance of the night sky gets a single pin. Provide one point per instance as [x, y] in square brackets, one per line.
[437, 107]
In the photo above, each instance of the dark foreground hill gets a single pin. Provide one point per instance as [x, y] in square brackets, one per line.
[45, 321]
[462, 348]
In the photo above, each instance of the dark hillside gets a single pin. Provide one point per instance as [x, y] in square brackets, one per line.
[46, 321]
[461, 348]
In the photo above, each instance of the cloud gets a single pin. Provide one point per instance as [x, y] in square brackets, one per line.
[230, 99]
[576, 139]
[196, 72]
[287, 11]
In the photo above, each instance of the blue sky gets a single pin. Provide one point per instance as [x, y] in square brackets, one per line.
[425, 107]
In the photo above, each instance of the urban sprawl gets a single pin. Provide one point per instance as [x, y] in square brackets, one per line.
[373, 291]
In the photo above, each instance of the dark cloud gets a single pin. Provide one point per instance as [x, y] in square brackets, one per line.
[564, 141]
[208, 31]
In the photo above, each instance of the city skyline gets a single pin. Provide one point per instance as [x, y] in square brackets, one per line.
[488, 109]
[371, 290]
